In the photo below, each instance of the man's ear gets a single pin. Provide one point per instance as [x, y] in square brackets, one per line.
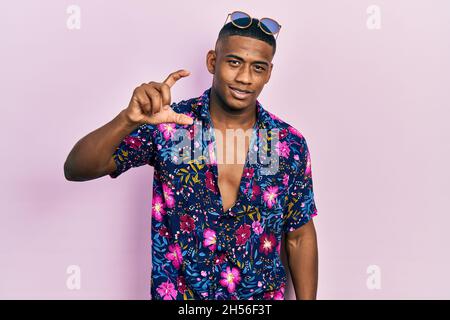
[211, 61]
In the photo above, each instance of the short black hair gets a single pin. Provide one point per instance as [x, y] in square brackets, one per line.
[253, 31]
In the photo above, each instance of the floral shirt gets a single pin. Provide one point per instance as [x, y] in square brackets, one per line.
[198, 250]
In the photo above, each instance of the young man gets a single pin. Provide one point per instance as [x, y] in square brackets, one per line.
[217, 226]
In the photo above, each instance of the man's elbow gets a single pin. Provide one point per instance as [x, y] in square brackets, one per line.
[72, 174]
[305, 233]
[293, 243]
[69, 172]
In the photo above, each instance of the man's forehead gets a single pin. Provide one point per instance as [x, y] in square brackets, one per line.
[245, 47]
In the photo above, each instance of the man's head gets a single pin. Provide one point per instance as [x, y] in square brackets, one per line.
[242, 59]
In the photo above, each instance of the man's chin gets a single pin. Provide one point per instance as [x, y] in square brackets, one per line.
[237, 105]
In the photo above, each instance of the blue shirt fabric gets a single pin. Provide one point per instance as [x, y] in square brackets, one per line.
[198, 250]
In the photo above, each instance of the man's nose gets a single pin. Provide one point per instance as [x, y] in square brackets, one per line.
[244, 75]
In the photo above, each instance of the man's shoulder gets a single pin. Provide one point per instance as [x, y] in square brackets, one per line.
[292, 145]
[287, 130]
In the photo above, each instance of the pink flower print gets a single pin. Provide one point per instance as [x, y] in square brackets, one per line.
[230, 278]
[167, 291]
[174, 255]
[256, 225]
[164, 232]
[158, 208]
[168, 196]
[256, 190]
[212, 155]
[220, 259]
[133, 142]
[308, 166]
[181, 284]
[275, 294]
[295, 132]
[192, 132]
[248, 173]
[283, 133]
[210, 181]
[270, 196]
[168, 130]
[187, 223]
[267, 243]
[314, 213]
[242, 234]
[283, 149]
[209, 239]
[285, 179]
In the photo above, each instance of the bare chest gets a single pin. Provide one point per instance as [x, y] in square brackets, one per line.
[231, 156]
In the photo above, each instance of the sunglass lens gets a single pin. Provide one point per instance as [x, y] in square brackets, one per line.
[241, 19]
[270, 25]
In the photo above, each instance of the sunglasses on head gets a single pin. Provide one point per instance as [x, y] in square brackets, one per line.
[243, 20]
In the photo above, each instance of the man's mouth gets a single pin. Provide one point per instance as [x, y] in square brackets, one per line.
[240, 93]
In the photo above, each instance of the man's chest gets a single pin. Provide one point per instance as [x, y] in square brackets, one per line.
[218, 173]
[232, 152]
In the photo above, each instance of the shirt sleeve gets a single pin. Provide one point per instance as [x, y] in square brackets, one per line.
[135, 150]
[300, 206]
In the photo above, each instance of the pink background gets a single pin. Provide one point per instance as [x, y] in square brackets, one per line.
[372, 104]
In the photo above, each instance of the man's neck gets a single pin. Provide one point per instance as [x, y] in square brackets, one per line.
[225, 118]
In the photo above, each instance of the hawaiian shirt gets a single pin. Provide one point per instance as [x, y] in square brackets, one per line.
[200, 251]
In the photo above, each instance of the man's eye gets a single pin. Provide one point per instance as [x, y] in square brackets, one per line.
[259, 68]
[231, 61]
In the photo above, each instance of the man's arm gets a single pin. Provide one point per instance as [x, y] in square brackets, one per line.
[92, 156]
[301, 249]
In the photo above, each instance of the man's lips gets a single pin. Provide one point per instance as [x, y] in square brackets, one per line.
[238, 94]
[241, 90]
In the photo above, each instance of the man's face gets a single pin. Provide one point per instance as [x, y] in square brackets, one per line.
[241, 63]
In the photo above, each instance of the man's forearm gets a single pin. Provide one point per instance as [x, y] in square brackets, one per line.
[89, 157]
[303, 265]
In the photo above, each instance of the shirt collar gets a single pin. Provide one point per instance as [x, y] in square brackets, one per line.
[202, 110]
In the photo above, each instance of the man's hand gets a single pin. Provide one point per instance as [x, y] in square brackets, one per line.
[150, 103]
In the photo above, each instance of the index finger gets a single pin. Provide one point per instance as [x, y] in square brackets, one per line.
[175, 76]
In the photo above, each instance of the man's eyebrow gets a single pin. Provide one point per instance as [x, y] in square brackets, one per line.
[239, 58]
